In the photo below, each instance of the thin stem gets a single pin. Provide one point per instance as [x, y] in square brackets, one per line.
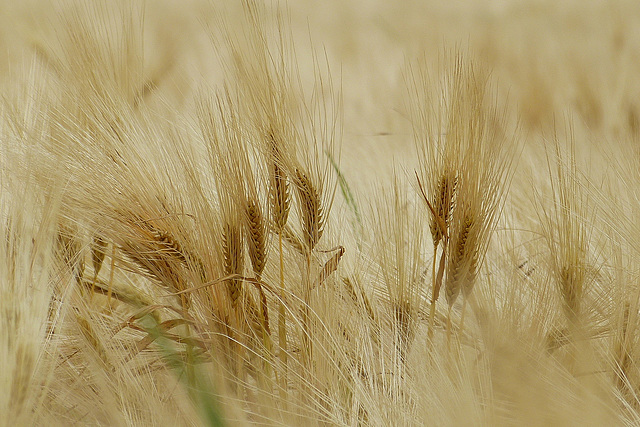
[432, 311]
[282, 328]
[113, 267]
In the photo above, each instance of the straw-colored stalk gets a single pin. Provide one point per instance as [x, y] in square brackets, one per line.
[98, 248]
[69, 251]
[279, 197]
[312, 227]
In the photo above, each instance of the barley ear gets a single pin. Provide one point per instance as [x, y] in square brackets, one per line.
[232, 246]
[443, 205]
[256, 237]
[462, 258]
[279, 186]
[311, 210]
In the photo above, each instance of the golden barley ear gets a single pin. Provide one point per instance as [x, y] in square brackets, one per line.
[310, 209]
[279, 194]
[232, 246]
[256, 237]
[462, 256]
[443, 203]
[256, 242]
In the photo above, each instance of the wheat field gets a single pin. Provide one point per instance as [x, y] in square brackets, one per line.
[320, 213]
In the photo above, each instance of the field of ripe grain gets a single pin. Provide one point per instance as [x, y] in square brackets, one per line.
[336, 213]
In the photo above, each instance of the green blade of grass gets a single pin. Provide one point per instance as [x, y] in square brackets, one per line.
[346, 191]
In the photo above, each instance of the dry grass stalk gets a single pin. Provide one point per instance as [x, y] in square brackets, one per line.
[404, 324]
[435, 119]
[439, 226]
[571, 283]
[566, 231]
[623, 354]
[256, 242]
[69, 250]
[98, 247]
[282, 327]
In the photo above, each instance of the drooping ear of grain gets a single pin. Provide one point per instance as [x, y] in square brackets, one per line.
[330, 266]
[169, 245]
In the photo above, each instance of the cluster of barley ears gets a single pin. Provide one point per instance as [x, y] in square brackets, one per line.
[193, 248]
